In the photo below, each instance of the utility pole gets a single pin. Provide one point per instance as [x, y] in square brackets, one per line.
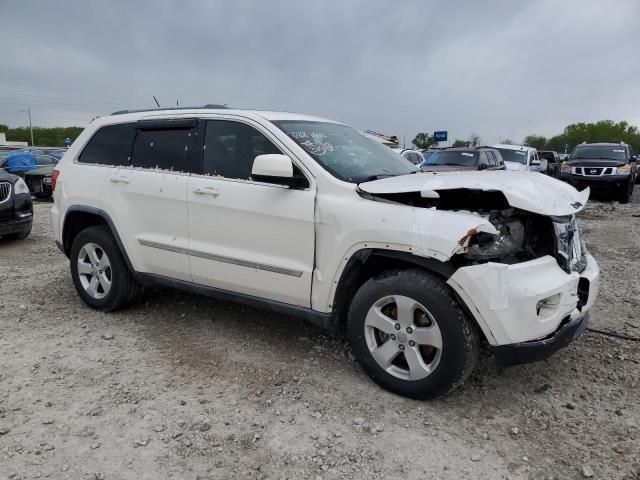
[28, 112]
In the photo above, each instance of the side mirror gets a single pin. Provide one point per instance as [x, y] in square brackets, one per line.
[535, 162]
[275, 168]
[544, 164]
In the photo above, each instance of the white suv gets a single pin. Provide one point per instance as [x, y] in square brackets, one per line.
[521, 158]
[307, 216]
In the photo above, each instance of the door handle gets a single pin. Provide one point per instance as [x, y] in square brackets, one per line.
[119, 179]
[207, 191]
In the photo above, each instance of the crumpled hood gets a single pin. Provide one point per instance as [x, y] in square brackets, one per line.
[530, 191]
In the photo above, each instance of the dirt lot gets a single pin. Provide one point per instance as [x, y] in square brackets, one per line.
[182, 386]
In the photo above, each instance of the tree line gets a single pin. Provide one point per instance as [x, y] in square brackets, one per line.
[42, 137]
[572, 135]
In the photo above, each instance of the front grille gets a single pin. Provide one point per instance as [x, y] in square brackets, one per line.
[5, 191]
[593, 171]
[570, 248]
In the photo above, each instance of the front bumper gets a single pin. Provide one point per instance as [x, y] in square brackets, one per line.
[16, 226]
[604, 182]
[537, 350]
[528, 301]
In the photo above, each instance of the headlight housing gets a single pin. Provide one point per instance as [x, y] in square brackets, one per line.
[565, 167]
[20, 187]
[624, 169]
[508, 241]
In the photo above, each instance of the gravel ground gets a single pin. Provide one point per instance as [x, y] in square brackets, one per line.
[183, 386]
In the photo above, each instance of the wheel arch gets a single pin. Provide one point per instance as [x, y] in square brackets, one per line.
[79, 217]
[366, 263]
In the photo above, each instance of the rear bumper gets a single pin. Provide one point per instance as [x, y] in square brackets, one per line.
[537, 350]
[16, 226]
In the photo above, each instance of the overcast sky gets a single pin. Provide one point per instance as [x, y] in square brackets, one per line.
[502, 69]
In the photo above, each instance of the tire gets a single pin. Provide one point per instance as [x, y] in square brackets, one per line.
[18, 236]
[433, 310]
[104, 285]
[625, 192]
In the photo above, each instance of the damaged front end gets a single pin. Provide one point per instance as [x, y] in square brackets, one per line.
[522, 269]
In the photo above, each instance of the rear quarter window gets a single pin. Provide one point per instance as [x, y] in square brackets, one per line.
[166, 149]
[110, 145]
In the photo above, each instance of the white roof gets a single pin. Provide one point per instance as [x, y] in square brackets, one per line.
[203, 112]
[508, 146]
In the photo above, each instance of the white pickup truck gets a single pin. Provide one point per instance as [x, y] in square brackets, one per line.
[306, 216]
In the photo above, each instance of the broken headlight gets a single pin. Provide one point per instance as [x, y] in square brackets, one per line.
[571, 250]
[508, 241]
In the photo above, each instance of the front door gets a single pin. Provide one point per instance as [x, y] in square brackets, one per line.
[245, 236]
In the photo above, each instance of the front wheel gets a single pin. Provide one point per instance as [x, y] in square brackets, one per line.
[625, 192]
[410, 335]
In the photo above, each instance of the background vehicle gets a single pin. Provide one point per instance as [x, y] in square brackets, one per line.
[553, 162]
[521, 158]
[608, 167]
[414, 156]
[465, 158]
[426, 154]
[326, 224]
[16, 208]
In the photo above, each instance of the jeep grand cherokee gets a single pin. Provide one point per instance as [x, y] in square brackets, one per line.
[307, 216]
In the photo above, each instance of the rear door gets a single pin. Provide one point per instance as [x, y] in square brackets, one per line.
[148, 197]
[245, 236]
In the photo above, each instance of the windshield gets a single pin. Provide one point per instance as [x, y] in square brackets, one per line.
[345, 153]
[452, 158]
[518, 156]
[593, 152]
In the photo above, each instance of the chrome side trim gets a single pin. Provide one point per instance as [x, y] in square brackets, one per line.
[221, 258]
[246, 263]
[162, 246]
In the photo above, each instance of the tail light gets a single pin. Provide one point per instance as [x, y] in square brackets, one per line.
[54, 177]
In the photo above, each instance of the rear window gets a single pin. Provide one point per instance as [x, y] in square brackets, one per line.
[452, 158]
[165, 149]
[111, 145]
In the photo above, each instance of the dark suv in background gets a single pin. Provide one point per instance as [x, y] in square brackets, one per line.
[464, 158]
[16, 207]
[602, 167]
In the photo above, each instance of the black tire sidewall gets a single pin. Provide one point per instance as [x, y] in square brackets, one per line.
[450, 319]
[102, 237]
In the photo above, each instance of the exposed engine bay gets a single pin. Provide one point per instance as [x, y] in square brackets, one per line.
[521, 235]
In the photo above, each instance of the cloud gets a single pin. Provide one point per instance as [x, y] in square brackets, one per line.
[499, 68]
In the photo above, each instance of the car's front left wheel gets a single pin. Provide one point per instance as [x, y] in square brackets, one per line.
[410, 335]
[99, 272]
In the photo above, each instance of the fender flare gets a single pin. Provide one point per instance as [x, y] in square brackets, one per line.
[104, 216]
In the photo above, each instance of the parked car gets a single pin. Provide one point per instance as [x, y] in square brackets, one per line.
[426, 154]
[16, 209]
[306, 216]
[465, 158]
[521, 158]
[414, 156]
[603, 167]
[553, 162]
[39, 179]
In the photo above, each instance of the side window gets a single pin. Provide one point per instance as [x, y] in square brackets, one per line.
[499, 160]
[231, 147]
[111, 145]
[484, 160]
[166, 149]
[492, 158]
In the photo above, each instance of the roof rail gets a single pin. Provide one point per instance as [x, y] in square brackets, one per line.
[209, 106]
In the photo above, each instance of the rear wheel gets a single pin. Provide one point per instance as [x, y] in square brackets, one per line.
[99, 271]
[410, 335]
